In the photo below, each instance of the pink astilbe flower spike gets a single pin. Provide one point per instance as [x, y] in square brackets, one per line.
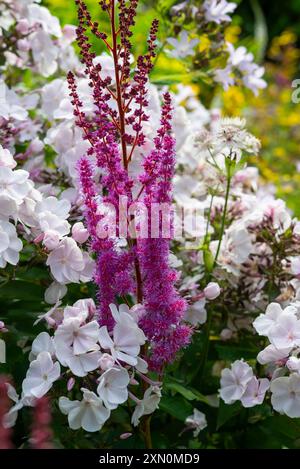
[165, 309]
[5, 433]
[41, 433]
[114, 132]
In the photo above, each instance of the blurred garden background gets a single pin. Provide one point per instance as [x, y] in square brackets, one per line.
[272, 33]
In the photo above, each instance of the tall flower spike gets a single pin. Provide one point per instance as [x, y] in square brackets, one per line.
[5, 433]
[41, 433]
[162, 322]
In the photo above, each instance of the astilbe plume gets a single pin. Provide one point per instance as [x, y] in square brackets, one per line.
[114, 132]
[5, 433]
[41, 433]
[165, 309]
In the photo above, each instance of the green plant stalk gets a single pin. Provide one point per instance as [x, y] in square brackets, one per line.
[209, 311]
[228, 184]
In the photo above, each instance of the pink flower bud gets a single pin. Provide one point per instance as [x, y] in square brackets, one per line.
[36, 146]
[2, 327]
[69, 32]
[226, 334]
[106, 362]
[212, 291]
[70, 384]
[23, 26]
[79, 233]
[124, 436]
[51, 240]
[23, 45]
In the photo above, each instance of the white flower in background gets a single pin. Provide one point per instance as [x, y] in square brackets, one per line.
[252, 78]
[89, 413]
[271, 354]
[235, 249]
[81, 309]
[225, 77]
[196, 312]
[277, 212]
[183, 46]
[44, 52]
[286, 395]
[10, 244]
[40, 376]
[265, 322]
[147, 405]
[295, 266]
[112, 387]
[55, 292]
[80, 365]
[52, 94]
[218, 11]
[196, 421]
[293, 364]
[52, 216]
[231, 132]
[6, 158]
[42, 343]
[11, 416]
[67, 262]
[286, 332]
[10, 105]
[14, 183]
[40, 15]
[106, 362]
[255, 392]
[127, 336]
[234, 381]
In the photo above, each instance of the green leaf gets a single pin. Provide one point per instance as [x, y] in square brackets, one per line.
[227, 412]
[227, 352]
[176, 406]
[188, 393]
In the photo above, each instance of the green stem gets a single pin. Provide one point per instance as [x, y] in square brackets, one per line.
[209, 311]
[146, 429]
[224, 213]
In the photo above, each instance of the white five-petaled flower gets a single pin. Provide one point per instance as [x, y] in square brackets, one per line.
[76, 342]
[147, 405]
[82, 337]
[14, 183]
[41, 375]
[6, 158]
[89, 413]
[286, 395]
[10, 244]
[196, 421]
[217, 10]
[68, 264]
[182, 47]
[127, 336]
[264, 323]
[42, 343]
[286, 333]
[234, 381]
[112, 387]
[255, 392]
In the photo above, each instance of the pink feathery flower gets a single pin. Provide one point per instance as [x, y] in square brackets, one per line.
[5, 433]
[165, 310]
[41, 433]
